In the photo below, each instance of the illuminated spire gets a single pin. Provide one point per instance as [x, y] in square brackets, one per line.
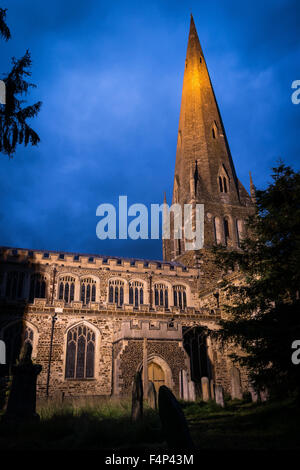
[201, 135]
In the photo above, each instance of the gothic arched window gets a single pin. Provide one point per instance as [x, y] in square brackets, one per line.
[116, 292]
[220, 184]
[80, 357]
[226, 230]
[14, 285]
[161, 297]
[15, 336]
[37, 287]
[87, 290]
[179, 293]
[217, 230]
[223, 183]
[66, 289]
[136, 293]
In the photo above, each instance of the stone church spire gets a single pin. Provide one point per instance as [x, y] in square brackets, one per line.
[201, 135]
[204, 170]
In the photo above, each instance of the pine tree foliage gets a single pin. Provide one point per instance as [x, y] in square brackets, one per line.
[14, 114]
[4, 29]
[263, 309]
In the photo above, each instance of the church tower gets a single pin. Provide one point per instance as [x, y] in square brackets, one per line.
[204, 170]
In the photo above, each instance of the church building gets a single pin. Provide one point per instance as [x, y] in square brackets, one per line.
[94, 321]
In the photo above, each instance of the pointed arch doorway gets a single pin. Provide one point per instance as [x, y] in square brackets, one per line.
[156, 375]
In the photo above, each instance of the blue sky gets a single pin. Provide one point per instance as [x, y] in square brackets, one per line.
[110, 75]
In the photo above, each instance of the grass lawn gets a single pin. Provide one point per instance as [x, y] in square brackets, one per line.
[105, 424]
[244, 426]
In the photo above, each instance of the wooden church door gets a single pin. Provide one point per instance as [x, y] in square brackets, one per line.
[156, 375]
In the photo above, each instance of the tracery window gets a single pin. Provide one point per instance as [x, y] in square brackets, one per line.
[161, 297]
[80, 356]
[37, 287]
[223, 184]
[136, 293]
[14, 337]
[87, 290]
[66, 289]
[179, 293]
[116, 292]
[14, 285]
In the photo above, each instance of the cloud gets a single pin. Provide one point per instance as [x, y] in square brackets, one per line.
[110, 78]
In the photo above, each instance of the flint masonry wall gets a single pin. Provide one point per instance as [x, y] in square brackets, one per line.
[118, 351]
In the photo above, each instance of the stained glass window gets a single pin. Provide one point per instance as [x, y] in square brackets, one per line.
[37, 287]
[80, 358]
[66, 289]
[136, 293]
[116, 292]
[161, 295]
[179, 293]
[87, 290]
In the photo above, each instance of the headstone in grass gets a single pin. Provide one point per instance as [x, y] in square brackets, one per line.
[236, 389]
[212, 389]
[137, 398]
[205, 388]
[152, 396]
[264, 395]
[253, 393]
[192, 391]
[219, 395]
[174, 425]
[21, 405]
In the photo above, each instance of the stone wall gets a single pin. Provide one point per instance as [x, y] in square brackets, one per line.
[131, 360]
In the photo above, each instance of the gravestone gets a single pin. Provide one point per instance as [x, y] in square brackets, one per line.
[264, 395]
[152, 396]
[205, 389]
[212, 389]
[253, 393]
[219, 395]
[192, 391]
[137, 398]
[21, 405]
[174, 425]
[236, 389]
[184, 385]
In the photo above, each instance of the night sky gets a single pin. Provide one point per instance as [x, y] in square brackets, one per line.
[110, 75]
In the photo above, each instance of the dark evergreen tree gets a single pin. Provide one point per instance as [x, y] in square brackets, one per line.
[14, 128]
[263, 314]
[4, 29]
